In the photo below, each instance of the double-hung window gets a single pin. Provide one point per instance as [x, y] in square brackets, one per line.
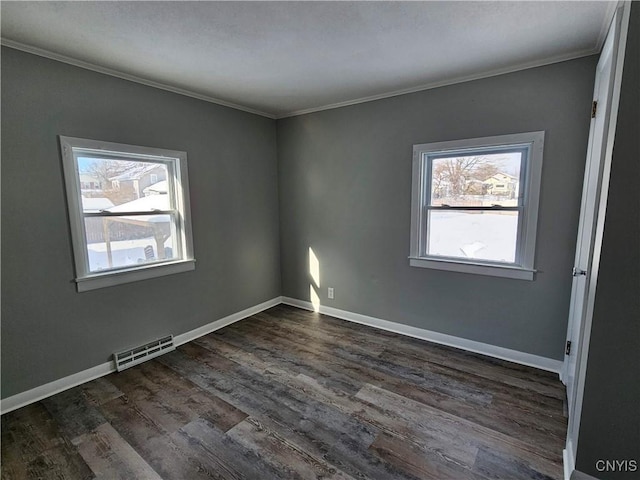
[136, 224]
[475, 205]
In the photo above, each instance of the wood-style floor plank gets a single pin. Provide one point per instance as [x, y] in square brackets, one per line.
[419, 461]
[287, 457]
[153, 443]
[509, 411]
[319, 427]
[472, 363]
[291, 394]
[33, 446]
[73, 413]
[110, 457]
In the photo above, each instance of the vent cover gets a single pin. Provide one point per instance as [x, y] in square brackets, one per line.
[140, 354]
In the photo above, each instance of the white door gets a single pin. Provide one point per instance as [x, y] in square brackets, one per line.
[608, 75]
[588, 213]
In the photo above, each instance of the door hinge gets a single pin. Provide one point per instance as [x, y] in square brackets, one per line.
[567, 350]
[594, 108]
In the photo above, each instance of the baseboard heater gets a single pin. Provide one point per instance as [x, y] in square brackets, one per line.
[140, 354]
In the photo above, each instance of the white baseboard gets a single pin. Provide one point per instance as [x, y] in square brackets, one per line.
[568, 461]
[563, 373]
[543, 363]
[568, 470]
[43, 391]
[223, 322]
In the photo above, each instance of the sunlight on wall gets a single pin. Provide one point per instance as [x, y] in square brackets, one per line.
[314, 273]
[314, 267]
[313, 297]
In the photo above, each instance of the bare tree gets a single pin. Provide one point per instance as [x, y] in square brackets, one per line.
[484, 171]
[458, 176]
[105, 170]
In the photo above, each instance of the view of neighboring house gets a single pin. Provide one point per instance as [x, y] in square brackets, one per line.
[502, 184]
[476, 191]
[139, 177]
[89, 182]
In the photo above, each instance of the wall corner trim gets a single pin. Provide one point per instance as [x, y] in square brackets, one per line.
[48, 389]
[522, 358]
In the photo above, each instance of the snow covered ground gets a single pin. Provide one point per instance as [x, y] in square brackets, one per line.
[485, 236]
[125, 253]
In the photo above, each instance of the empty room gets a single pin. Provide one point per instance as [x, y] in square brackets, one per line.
[320, 240]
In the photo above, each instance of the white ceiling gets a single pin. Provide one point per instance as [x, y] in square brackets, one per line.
[285, 58]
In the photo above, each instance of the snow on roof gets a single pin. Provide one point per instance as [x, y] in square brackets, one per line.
[506, 175]
[84, 177]
[95, 204]
[143, 204]
[497, 178]
[160, 187]
[136, 171]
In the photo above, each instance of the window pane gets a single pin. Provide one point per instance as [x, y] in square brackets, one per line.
[476, 180]
[122, 186]
[481, 235]
[118, 242]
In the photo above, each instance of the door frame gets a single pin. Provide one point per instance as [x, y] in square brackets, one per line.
[621, 20]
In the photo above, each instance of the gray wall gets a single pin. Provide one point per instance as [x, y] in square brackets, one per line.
[343, 178]
[50, 331]
[345, 186]
[610, 424]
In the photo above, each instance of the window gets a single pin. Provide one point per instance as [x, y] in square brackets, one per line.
[120, 234]
[475, 205]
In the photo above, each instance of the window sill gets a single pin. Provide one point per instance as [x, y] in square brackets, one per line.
[489, 269]
[109, 279]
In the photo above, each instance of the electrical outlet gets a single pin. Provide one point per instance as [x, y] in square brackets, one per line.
[330, 292]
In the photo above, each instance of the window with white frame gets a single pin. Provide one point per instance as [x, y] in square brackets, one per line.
[121, 231]
[474, 205]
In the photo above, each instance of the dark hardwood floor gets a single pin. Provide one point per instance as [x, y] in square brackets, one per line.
[297, 395]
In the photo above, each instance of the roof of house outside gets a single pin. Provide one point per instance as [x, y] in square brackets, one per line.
[157, 188]
[95, 204]
[496, 177]
[136, 171]
[143, 204]
[88, 178]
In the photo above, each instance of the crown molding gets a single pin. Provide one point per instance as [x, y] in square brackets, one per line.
[453, 81]
[125, 76]
[442, 83]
